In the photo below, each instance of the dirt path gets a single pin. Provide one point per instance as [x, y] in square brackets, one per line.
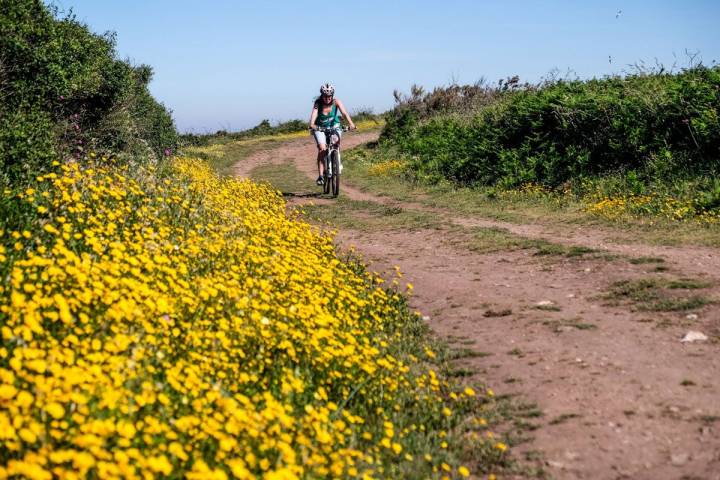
[620, 395]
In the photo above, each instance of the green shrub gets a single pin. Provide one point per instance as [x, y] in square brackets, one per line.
[658, 124]
[62, 89]
[26, 143]
[261, 129]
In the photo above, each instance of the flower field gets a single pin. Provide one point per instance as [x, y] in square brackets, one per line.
[174, 324]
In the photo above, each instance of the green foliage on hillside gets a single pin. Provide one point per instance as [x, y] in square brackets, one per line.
[63, 91]
[650, 125]
[264, 128]
[261, 129]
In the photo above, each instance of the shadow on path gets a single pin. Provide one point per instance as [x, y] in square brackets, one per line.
[304, 195]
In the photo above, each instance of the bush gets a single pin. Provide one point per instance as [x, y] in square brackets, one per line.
[62, 88]
[26, 143]
[657, 124]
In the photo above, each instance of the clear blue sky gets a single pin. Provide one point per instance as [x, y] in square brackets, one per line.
[229, 64]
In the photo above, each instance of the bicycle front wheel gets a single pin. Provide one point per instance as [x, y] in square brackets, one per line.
[326, 176]
[335, 180]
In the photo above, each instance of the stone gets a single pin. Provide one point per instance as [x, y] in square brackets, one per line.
[572, 456]
[679, 459]
[694, 336]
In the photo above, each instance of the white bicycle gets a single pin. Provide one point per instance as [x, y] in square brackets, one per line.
[331, 161]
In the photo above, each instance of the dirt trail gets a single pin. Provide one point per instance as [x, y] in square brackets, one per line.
[621, 396]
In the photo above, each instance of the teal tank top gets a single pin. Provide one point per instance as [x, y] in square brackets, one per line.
[331, 119]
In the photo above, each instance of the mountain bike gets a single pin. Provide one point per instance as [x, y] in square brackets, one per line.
[331, 162]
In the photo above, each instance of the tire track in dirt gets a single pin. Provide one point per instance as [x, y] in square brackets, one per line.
[622, 397]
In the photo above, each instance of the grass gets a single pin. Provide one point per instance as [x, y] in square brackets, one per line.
[499, 313]
[461, 200]
[548, 308]
[519, 207]
[286, 178]
[646, 260]
[222, 157]
[688, 284]
[563, 418]
[709, 419]
[678, 304]
[658, 294]
[461, 372]
[560, 325]
[497, 239]
[461, 353]
[366, 215]
[223, 152]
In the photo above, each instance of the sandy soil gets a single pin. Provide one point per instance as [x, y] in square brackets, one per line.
[621, 395]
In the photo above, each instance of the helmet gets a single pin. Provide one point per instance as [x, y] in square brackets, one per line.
[327, 89]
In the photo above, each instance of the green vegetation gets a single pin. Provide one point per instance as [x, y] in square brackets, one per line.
[644, 260]
[497, 313]
[263, 129]
[371, 216]
[383, 169]
[63, 91]
[659, 294]
[651, 124]
[78, 137]
[638, 145]
[559, 326]
[284, 177]
[563, 418]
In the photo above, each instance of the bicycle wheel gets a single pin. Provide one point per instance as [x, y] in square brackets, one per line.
[326, 176]
[335, 180]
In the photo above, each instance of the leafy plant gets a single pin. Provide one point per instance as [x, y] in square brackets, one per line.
[63, 91]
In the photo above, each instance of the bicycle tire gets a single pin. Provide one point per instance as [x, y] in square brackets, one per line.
[326, 178]
[335, 180]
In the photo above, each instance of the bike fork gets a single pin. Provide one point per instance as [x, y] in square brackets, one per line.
[328, 163]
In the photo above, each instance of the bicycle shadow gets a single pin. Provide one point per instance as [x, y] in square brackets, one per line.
[303, 195]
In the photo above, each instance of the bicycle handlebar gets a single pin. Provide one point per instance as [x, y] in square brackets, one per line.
[329, 129]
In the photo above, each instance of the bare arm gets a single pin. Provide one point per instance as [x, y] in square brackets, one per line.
[345, 113]
[313, 116]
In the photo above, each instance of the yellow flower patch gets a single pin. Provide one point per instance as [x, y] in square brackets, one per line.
[180, 324]
[386, 168]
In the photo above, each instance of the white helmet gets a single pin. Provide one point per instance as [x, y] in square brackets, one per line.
[327, 89]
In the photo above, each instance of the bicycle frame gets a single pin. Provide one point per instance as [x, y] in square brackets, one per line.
[330, 176]
[332, 143]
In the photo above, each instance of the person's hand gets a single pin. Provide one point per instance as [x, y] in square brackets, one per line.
[353, 127]
[312, 128]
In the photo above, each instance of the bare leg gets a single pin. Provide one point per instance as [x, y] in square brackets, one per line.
[322, 150]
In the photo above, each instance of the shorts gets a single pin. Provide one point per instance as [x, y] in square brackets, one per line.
[320, 136]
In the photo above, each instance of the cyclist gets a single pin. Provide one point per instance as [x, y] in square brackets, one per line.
[327, 112]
